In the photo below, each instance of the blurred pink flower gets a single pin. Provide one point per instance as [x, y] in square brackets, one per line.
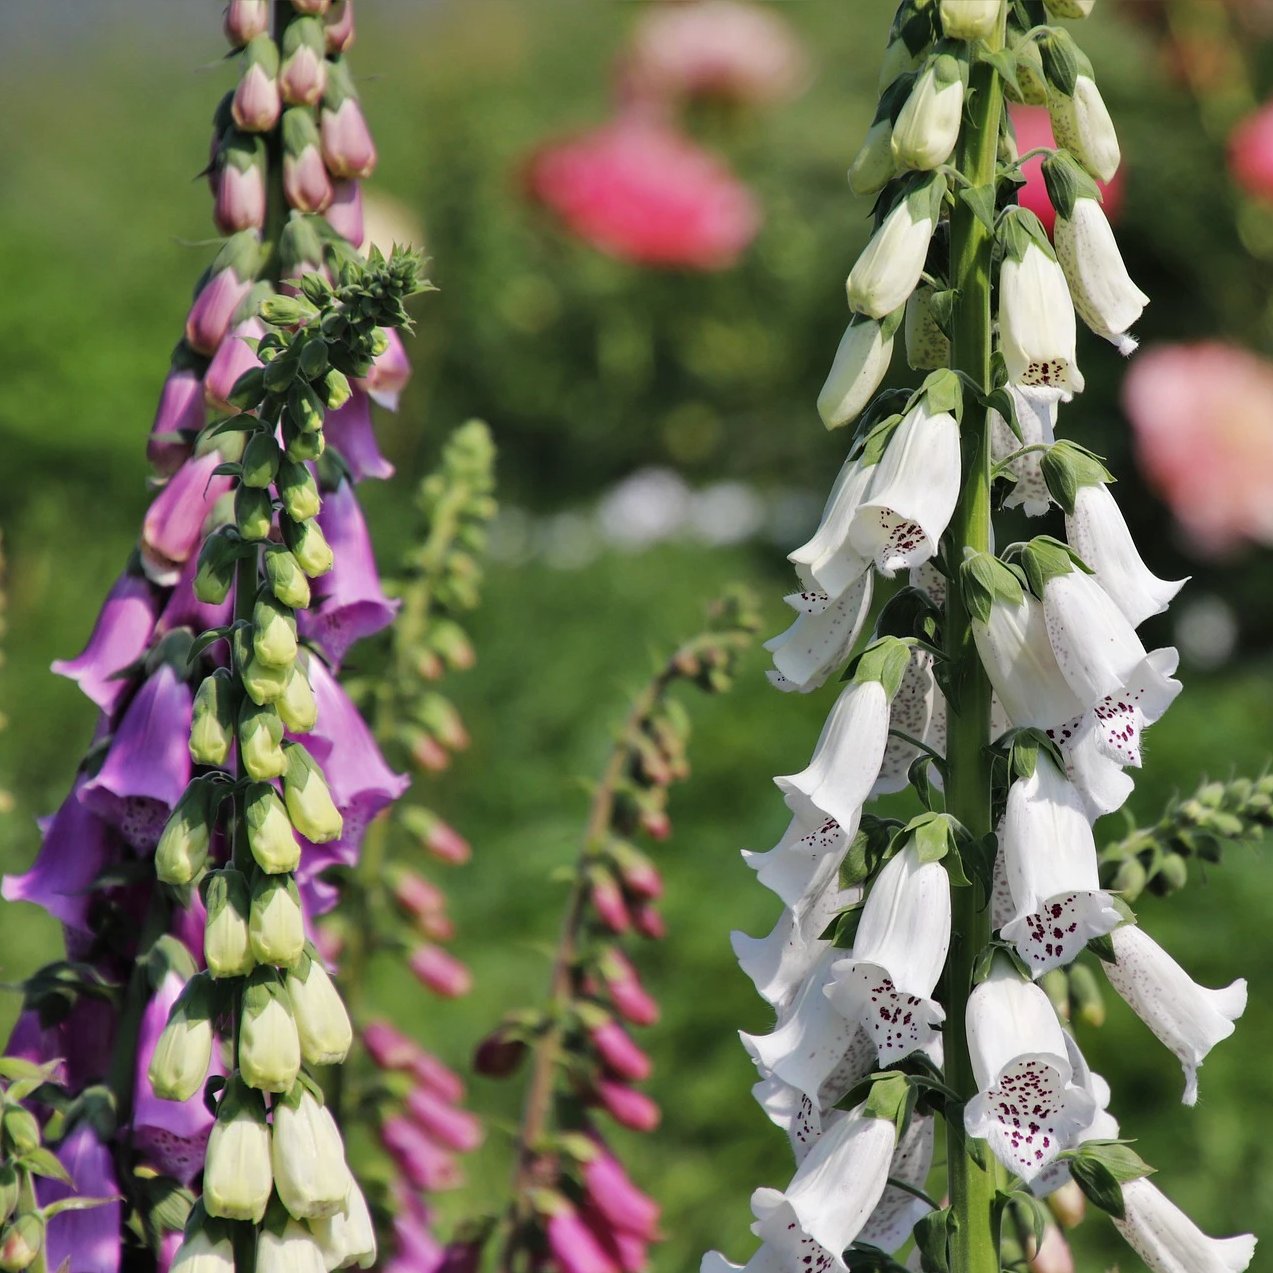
[1251, 153]
[722, 49]
[1203, 419]
[638, 190]
[1034, 129]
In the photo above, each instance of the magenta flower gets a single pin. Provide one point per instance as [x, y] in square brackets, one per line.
[616, 1199]
[347, 146]
[1203, 419]
[213, 308]
[453, 1128]
[389, 373]
[1251, 153]
[88, 1240]
[629, 996]
[234, 356]
[173, 526]
[389, 1047]
[626, 1105]
[120, 636]
[348, 601]
[349, 431]
[77, 847]
[178, 418]
[619, 1052]
[640, 191]
[238, 188]
[440, 972]
[574, 1246]
[425, 1164]
[148, 764]
[344, 215]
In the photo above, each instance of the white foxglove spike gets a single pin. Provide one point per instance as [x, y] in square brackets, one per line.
[927, 127]
[897, 1211]
[860, 364]
[1096, 648]
[1036, 415]
[918, 709]
[1188, 1019]
[1169, 1242]
[1097, 532]
[823, 636]
[801, 864]
[890, 265]
[834, 1190]
[1027, 1107]
[846, 761]
[1037, 331]
[912, 493]
[1103, 293]
[1049, 864]
[1017, 655]
[828, 562]
[1081, 124]
[897, 957]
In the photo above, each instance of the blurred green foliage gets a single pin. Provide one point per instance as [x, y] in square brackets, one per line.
[586, 369]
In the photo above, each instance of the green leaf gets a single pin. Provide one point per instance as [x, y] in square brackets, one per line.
[42, 1162]
[1006, 405]
[16, 1067]
[944, 392]
[884, 660]
[1005, 63]
[892, 1098]
[76, 1203]
[932, 1239]
[981, 201]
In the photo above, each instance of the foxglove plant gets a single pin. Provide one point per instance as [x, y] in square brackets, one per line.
[928, 967]
[573, 1206]
[210, 754]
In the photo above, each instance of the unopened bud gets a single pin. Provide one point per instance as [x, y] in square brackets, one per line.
[286, 578]
[1172, 874]
[1130, 880]
[245, 20]
[305, 409]
[260, 742]
[322, 1022]
[308, 545]
[183, 844]
[21, 1131]
[499, 1055]
[253, 513]
[308, 1157]
[257, 103]
[338, 26]
[1087, 1003]
[21, 1243]
[298, 707]
[227, 945]
[440, 972]
[10, 1190]
[303, 74]
[273, 631]
[298, 490]
[309, 801]
[970, 19]
[183, 1054]
[269, 1049]
[237, 1181]
[215, 572]
[927, 128]
[276, 926]
[260, 460]
[212, 724]
[305, 178]
[269, 830]
[336, 389]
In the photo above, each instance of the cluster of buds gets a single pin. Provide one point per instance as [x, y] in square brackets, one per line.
[573, 1205]
[918, 965]
[6, 797]
[185, 889]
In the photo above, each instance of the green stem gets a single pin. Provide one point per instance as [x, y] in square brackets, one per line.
[973, 1242]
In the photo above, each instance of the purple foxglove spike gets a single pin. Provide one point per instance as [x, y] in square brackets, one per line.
[613, 1195]
[348, 601]
[87, 1038]
[238, 197]
[574, 1246]
[234, 356]
[185, 610]
[426, 1165]
[347, 146]
[344, 215]
[77, 847]
[120, 636]
[418, 1251]
[389, 373]
[180, 411]
[450, 1127]
[148, 764]
[88, 1239]
[170, 1135]
[390, 1049]
[213, 308]
[427, 1069]
[174, 522]
[349, 430]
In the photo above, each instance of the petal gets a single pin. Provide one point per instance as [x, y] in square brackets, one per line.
[1095, 646]
[1169, 1242]
[820, 640]
[918, 709]
[897, 1212]
[803, 860]
[828, 560]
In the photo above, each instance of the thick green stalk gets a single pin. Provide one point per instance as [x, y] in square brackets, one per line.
[973, 1241]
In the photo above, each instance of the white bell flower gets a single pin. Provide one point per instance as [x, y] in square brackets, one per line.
[1036, 415]
[790, 1109]
[890, 265]
[969, 19]
[1097, 532]
[1049, 865]
[803, 861]
[348, 1237]
[1070, 8]
[200, 1252]
[927, 127]
[919, 710]
[873, 167]
[1081, 123]
[1169, 1242]
[307, 1155]
[1186, 1018]
[822, 636]
[898, 1211]
[860, 364]
[898, 954]
[294, 1250]
[1027, 1108]
[237, 1181]
[827, 562]
[927, 346]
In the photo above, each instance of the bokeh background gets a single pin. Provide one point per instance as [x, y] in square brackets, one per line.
[657, 440]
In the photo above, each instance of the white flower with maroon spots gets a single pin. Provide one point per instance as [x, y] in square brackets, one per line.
[1186, 1018]
[898, 1211]
[898, 954]
[918, 710]
[822, 636]
[1049, 866]
[1169, 1242]
[1036, 416]
[827, 562]
[800, 865]
[1027, 1107]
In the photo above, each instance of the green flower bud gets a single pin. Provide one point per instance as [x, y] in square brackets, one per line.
[263, 683]
[298, 707]
[321, 1019]
[307, 1155]
[237, 1181]
[305, 408]
[308, 545]
[10, 1187]
[21, 1131]
[212, 725]
[215, 573]
[275, 925]
[281, 372]
[183, 844]
[202, 1252]
[227, 947]
[270, 835]
[1130, 880]
[260, 460]
[309, 801]
[298, 491]
[21, 1242]
[248, 389]
[287, 580]
[269, 1049]
[253, 513]
[273, 631]
[260, 739]
[336, 389]
[302, 446]
[184, 1051]
[286, 311]
[313, 356]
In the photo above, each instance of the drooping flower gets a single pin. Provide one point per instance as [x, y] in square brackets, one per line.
[639, 191]
[1169, 1242]
[822, 636]
[890, 265]
[1081, 123]
[175, 521]
[350, 432]
[1033, 127]
[861, 362]
[927, 127]
[1036, 409]
[88, 1239]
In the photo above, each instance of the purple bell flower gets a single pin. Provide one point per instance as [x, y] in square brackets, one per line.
[148, 764]
[350, 431]
[120, 636]
[180, 411]
[344, 213]
[348, 601]
[174, 521]
[234, 357]
[89, 1240]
